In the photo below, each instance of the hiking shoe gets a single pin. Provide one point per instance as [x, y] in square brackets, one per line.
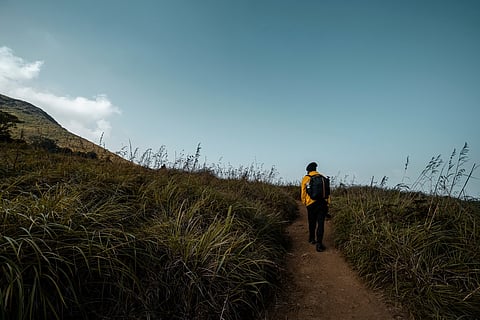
[320, 247]
[312, 241]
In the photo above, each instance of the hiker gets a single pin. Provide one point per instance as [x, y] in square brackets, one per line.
[317, 208]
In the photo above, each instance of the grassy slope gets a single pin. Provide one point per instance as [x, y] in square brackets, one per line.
[83, 238]
[89, 238]
[423, 250]
[143, 240]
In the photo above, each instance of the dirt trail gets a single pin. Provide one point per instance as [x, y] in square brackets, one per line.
[323, 286]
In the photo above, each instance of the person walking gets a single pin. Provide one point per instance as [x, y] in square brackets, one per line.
[317, 210]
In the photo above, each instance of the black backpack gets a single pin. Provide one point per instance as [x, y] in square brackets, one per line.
[318, 187]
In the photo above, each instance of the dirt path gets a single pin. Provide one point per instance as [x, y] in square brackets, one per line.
[323, 286]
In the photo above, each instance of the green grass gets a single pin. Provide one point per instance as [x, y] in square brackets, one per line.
[91, 239]
[423, 250]
[84, 238]
[420, 248]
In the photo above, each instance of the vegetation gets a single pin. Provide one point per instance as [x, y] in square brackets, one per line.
[422, 249]
[84, 238]
[7, 122]
[191, 163]
[87, 237]
[36, 126]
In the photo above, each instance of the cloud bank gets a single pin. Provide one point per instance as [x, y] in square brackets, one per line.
[85, 117]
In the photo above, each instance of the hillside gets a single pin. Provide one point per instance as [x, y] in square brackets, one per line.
[87, 239]
[37, 124]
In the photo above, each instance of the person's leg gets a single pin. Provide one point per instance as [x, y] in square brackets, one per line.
[312, 223]
[322, 211]
[320, 227]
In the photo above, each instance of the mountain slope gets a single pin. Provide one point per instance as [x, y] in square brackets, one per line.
[37, 124]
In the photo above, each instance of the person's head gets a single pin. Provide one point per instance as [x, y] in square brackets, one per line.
[312, 166]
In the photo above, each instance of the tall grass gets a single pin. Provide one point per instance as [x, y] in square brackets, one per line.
[83, 238]
[422, 248]
[191, 163]
[446, 178]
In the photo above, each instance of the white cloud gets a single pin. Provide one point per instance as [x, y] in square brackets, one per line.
[14, 69]
[85, 117]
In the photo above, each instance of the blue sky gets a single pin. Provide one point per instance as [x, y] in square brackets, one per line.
[356, 86]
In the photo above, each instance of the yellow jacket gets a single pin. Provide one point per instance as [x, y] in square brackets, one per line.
[306, 200]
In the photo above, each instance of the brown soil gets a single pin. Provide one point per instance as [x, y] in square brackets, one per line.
[322, 285]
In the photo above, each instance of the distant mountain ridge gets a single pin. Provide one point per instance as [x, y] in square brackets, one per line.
[37, 124]
[14, 105]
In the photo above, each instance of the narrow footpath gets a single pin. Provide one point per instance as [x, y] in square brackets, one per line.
[322, 285]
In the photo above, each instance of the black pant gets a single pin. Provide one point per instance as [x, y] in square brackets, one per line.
[317, 212]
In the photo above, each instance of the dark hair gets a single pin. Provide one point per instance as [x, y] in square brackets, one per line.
[312, 166]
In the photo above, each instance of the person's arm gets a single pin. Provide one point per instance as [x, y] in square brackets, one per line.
[303, 187]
